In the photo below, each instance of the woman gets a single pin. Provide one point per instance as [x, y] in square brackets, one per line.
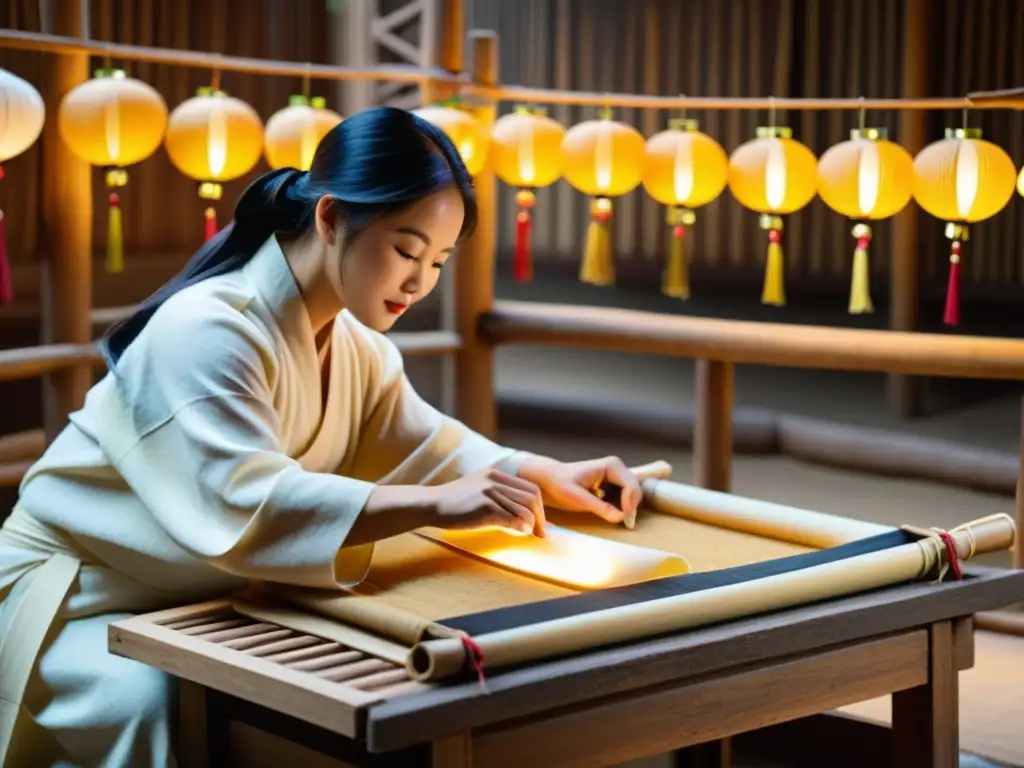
[255, 424]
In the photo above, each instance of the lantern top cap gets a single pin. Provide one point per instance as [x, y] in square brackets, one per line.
[963, 133]
[297, 100]
[683, 124]
[774, 132]
[530, 109]
[206, 90]
[871, 134]
[113, 73]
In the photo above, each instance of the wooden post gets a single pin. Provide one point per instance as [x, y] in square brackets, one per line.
[1018, 545]
[474, 270]
[67, 229]
[905, 391]
[712, 432]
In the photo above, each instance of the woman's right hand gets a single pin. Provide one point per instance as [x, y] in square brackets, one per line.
[489, 497]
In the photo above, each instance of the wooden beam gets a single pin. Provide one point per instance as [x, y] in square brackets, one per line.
[474, 270]
[904, 392]
[712, 438]
[67, 230]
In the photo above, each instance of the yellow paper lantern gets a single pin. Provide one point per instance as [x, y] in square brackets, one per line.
[213, 138]
[685, 169]
[1020, 183]
[962, 179]
[25, 113]
[603, 159]
[773, 175]
[113, 121]
[526, 148]
[292, 134]
[867, 178]
[464, 130]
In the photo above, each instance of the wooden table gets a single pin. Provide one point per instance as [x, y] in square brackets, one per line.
[598, 708]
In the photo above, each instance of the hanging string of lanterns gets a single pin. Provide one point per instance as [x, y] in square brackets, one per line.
[113, 121]
[685, 169]
[20, 99]
[865, 179]
[603, 159]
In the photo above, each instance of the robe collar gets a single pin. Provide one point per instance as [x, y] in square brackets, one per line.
[272, 278]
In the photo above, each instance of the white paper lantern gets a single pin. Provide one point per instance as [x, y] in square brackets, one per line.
[22, 114]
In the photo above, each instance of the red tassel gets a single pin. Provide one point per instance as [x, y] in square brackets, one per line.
[522, 265]
[952, 313]
[6, 283]
[211, 222]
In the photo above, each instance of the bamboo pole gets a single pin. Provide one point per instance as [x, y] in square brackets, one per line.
[67, 232]
[474, 270]
[72, 44]
[64, 44]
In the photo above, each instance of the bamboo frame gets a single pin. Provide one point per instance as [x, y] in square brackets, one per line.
[61, 44]
[719, 344]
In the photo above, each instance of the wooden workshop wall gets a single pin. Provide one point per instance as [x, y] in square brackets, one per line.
[819, 48]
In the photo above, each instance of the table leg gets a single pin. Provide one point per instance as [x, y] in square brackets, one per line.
[452, 752]
[925, 720]
[192, 741]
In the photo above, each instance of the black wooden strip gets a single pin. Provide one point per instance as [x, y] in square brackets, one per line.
[604, 599]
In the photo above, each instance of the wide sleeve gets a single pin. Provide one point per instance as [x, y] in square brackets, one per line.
[196, 436]
[406, 441]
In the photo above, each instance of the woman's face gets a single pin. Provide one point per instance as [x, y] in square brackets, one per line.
[397, 260]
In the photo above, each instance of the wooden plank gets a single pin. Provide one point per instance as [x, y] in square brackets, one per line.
[446, 710]
[616, 730]
[332, 705]
[925, 719]
[752, 343]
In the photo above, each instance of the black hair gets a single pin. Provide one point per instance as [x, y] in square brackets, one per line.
[376, 162]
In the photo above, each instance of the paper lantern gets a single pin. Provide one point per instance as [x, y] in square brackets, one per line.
[685, 169]
[526, 148]
[1020, 183]
[962, 179]
[213, 138]
[867, 178]
[773, 175]
[292, 134]
[463, 129]
[602, 158]
[22, 114]
[113, 121]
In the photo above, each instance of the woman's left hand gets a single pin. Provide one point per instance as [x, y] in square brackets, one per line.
[571, 487]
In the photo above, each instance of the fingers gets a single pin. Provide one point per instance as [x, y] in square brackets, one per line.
[523, 494]
[583, 500]
[520, 505]
[617, 472]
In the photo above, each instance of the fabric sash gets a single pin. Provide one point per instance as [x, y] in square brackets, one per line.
[32, 615]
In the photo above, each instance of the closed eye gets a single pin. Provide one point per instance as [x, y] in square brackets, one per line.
[405, 255]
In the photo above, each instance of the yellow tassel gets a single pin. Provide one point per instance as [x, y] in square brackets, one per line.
[115, 236]
[675, 280]
[598, 267]
[774, 292]
[860, 285]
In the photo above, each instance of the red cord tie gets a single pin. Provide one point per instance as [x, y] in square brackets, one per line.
[951, 554]
[476, 659]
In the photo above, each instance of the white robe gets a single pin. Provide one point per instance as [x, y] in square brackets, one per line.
[211, 458]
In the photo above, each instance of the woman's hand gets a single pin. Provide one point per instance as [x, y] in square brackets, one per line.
[573, 486]
[488, 498]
